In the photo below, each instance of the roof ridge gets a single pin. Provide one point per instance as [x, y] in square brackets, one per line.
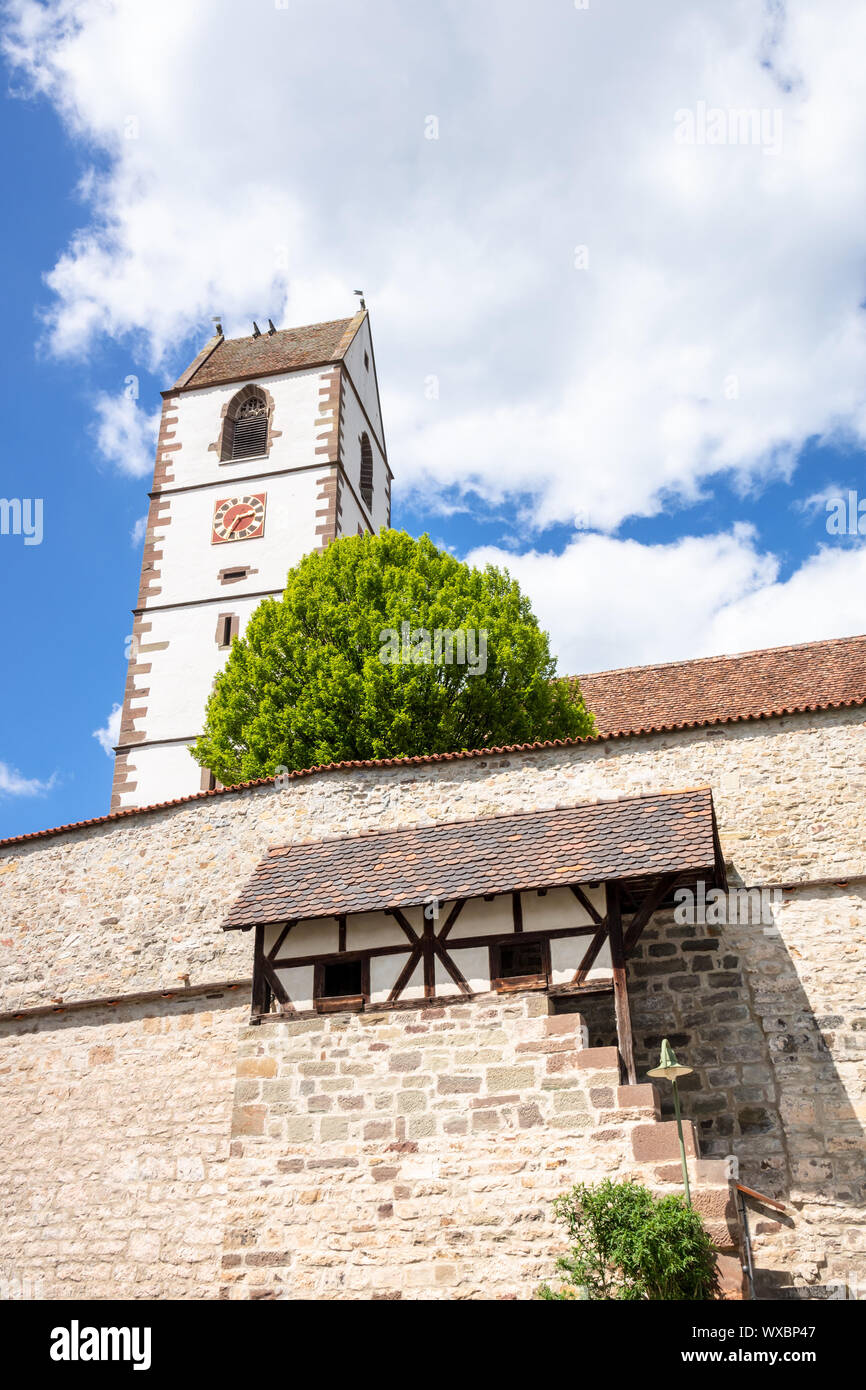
[223, 361]
[350, 332]
[298, 328]
[721, 656]
[497, 815]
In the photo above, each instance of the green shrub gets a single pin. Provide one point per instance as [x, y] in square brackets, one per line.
[628, 1244]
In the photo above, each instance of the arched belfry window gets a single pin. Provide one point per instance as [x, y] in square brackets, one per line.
[366, 471]
[246, 427]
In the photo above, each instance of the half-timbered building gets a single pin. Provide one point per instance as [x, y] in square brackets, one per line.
[544, 900]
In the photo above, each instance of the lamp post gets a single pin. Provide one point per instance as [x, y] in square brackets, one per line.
[670, 1068]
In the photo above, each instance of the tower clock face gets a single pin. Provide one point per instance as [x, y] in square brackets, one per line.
[239, 518]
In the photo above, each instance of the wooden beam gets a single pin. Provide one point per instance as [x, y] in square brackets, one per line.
[592, 951]
[260, 1002]
[279, 990]
[620, 987]
[428, 955]
[405, 974]
[272, 953]
[407, 926]
[452, 917]
[650, 904]
[592, 912]
[453, 969]
[517, 912]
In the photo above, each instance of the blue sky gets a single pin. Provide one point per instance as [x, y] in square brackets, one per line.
[627, 361]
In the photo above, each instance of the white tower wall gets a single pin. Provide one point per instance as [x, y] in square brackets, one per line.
[305, 490]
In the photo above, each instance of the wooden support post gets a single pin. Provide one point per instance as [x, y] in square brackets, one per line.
[620, 989]
[261, 1000]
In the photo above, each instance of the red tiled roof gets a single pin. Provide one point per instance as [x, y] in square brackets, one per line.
[722, 689]
[237, 359]
[367, 872]
[658, 699]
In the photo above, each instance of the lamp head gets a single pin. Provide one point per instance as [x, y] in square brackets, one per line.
[668, 1066]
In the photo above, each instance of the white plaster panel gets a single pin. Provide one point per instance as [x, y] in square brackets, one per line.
[557, 909]
[480, 918]
[369, 930]
[384, 973]
[270, 935]
[313, 936]
[298, 984]
[474, 963]
[603, 967]
[566, 953]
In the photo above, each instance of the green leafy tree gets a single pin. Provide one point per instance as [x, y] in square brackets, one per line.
[628, 1244]
[340, 668]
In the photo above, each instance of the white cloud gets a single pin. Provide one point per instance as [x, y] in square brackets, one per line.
[125, 435]
[109, 736]
[138, 531]
[610, 603]
[13, 784]
[716, 327]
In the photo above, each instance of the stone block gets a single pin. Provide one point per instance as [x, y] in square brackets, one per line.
[557, 1025]
[249, 1119]
[510, 1078]
[257, 1066]
[298, 1130]
[598, 1058]
[659, 1141]
[643, 1097]
[458, 1085]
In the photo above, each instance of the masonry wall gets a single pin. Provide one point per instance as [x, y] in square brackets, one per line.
[417, 1154]
[771, 1017]
[130, 904]
[114, 1150]
[774, 1028]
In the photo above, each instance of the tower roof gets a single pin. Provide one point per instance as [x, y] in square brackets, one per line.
[239, 359]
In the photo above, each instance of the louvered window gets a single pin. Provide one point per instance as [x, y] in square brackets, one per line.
[250, 432]
[366, 471]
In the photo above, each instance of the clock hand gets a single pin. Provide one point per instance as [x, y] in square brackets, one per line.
[241, 516]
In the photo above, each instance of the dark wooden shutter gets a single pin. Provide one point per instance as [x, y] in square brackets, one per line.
[366, 471]
[250, 435]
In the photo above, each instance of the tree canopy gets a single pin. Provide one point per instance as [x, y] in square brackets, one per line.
[385, 646]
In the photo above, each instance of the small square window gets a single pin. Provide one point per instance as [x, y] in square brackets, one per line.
[519, 964]
[341, 978]
[341, 984]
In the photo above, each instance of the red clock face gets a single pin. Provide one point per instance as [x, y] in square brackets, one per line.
[239, 518]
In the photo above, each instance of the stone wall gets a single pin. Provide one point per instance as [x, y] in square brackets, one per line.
[771, 1017]
[113, 1150]
[131, 904]
[416, 1154]
[772, 1020]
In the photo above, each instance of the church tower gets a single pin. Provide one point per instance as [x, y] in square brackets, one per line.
[269, 447]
